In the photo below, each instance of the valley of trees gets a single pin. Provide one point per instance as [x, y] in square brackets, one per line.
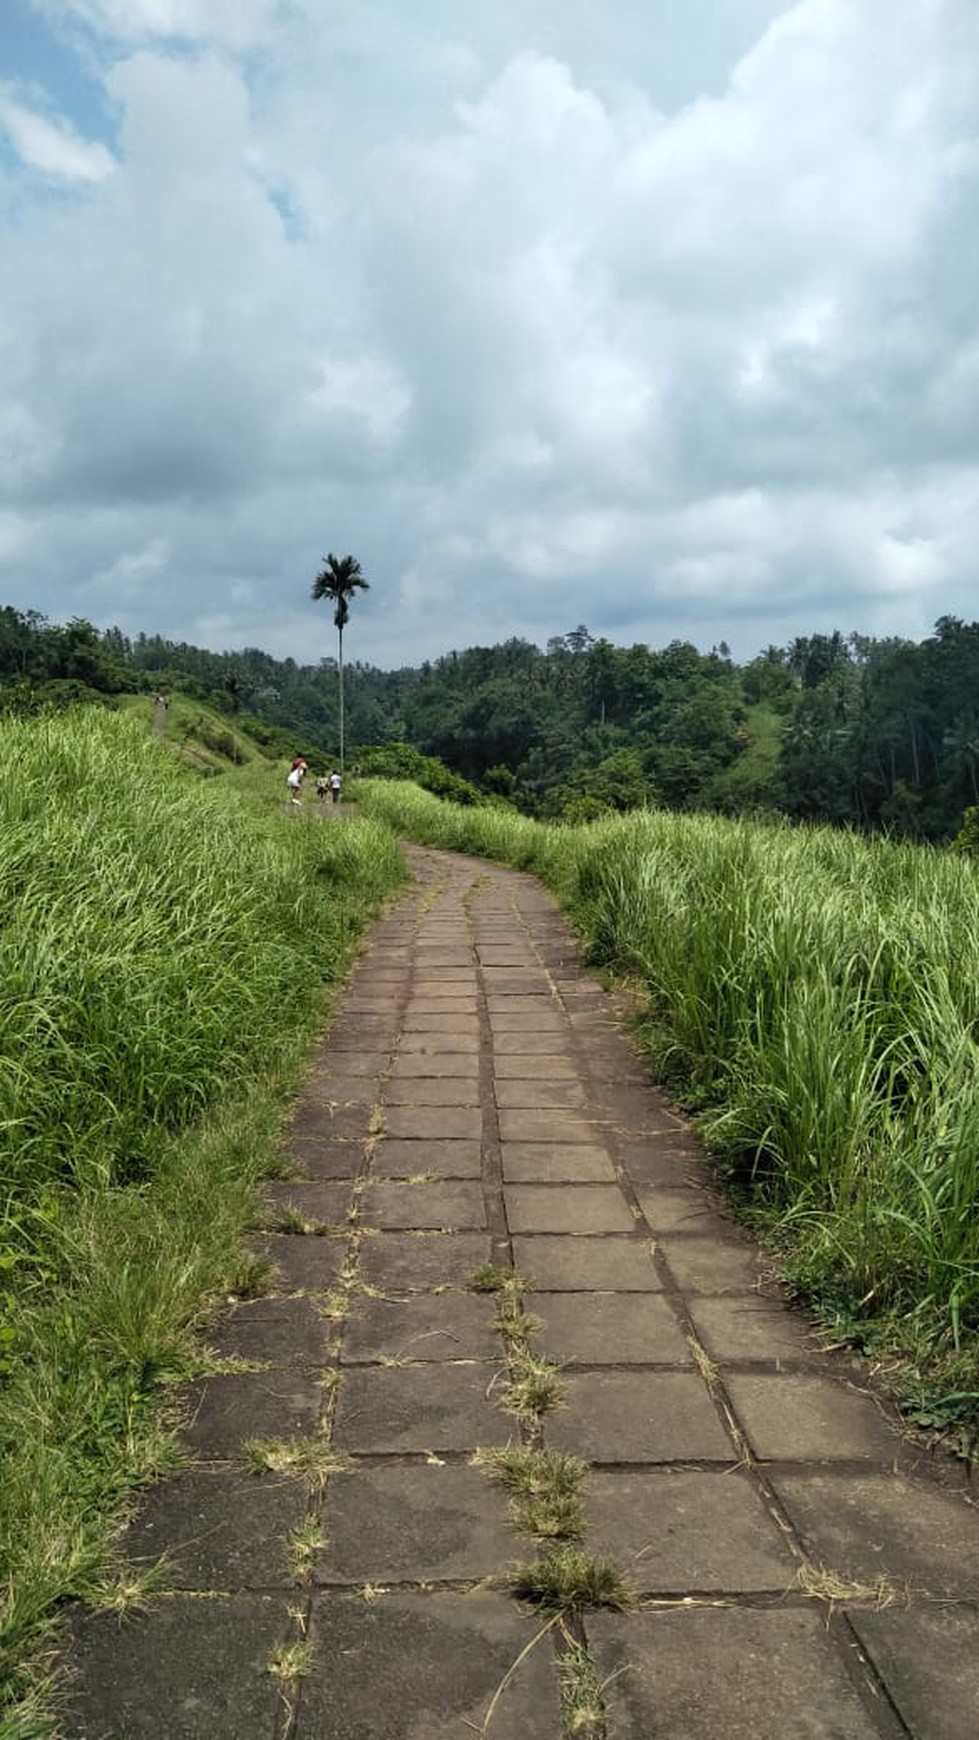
[849, 730]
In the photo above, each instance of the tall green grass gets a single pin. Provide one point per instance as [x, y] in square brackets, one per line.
[815, 996]
[167, 952]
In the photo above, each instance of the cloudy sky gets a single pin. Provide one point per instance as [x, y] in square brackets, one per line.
[657, 315]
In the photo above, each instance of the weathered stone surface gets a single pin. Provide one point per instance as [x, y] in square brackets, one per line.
[438, 1065]
[662, 1416]
[305, 1262]
[433, 1408]
[433, 1091]
[610, 1328]
[286, 1331]
[526, 1095]
[677, 1532]
[226, 1410]
[319, 1118]
[571, 1208]
[455, 1206]
[686, 1209]
[417, 1523]
[396, 1260]
[746, 1327]
[449, 1156]
[712, 1265]
[186, 1670]
[791, 1417]
[556, 1065]
[547, 1126]
[427, 1327]
[322, 1159]
[426, 1667]
[444, 1039]
[928, 1660]
[554, 1262]
[322, 1203]
[869, 1526]
[731, 1673]
[434, 1122]
[550, 1163]
[220, 1530]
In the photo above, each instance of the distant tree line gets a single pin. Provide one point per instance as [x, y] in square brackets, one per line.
[851, 730]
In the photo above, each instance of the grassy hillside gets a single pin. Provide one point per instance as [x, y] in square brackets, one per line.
[167, 950]
[815, 998]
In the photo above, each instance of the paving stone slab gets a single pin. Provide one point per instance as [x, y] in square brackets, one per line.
[366, 1002]
[549, 1023]
[450, 1040]
[558, 1262]
[353, 1063]
[449, 1156]
[570, 1208]
[412, 1523]
[633, 1109]
[874, 1525]
[396, 1260]
[427, 1327]
[220, 1530]
[434, 1122]
[337, 1086]
[441, 1025]
[454, 1008]
[286, 1331]
[726, 1674]
[323, 1160]
[676, 1532]
[426, 1667]
[547, 1163]
[433, 1091]
[928, 1659]
[186, 1670]
[524, 1044]
[304, 1262]
[788, 1416]
[226, 1410]
[526, 1095]
[499, 955]
[683, 1209]
[610, 1328]
[437, 1065]
[539, 1000]
[443, 955]
[745, 1327]
[358, 1039]
[433, 1408]
[313, 1118]
[327, 1204]
[465, 976]
[662, 1416]
[712, 1265]
[664, 1158]
[458, 1207]
[547, 1126]
[554, 1065]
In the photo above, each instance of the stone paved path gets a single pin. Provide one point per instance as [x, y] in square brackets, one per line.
[803, 1573]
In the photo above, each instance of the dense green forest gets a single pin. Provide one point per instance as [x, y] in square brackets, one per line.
[843, 729]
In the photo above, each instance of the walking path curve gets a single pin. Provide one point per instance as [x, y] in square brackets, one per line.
[801, 1570]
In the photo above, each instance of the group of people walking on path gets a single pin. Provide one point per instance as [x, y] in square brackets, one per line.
[327, 783]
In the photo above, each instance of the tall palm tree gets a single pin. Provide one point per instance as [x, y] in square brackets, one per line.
[338, 580]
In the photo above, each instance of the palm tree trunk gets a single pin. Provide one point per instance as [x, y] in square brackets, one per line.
[340, 666]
